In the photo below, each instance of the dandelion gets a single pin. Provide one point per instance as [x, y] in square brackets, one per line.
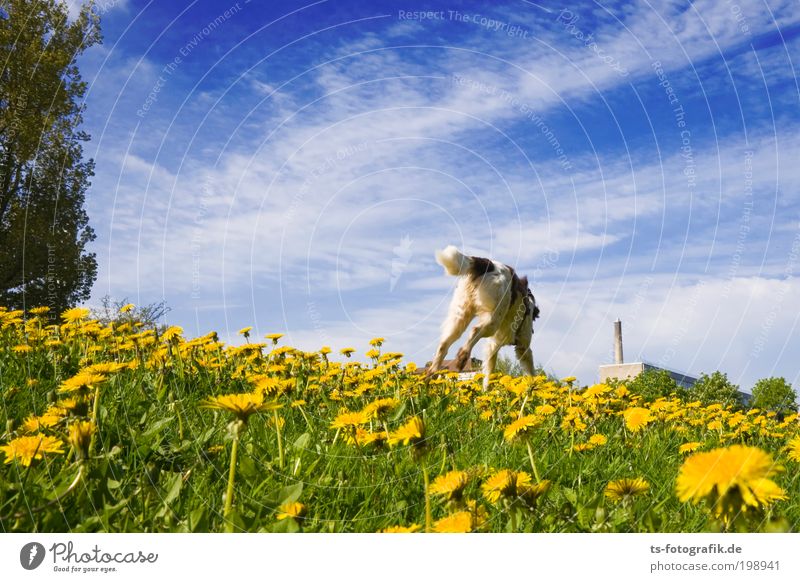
[380, 407]
[40, 310]
[349, 420]
[28, 448]
[171, 333]
[80, 437]
[126, 308]
[636, 418]
[376, 342]
[373, 354]
[504, 483]
[75, 314]
[242, 406]
[521, 427]
[402, 529]
[450, 485]
[731, 480]
[245, 331]
[689, 447]
[568, 379]
[544, 410]
[347, 352]
[411, 433]
[274, 337]
[22, 349]
[293, 510]
[626, 489]
[598, 440]
[793, 446]
[461, 522]
[82, 381]
[530, 493]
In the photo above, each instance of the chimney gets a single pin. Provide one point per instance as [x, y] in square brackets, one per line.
[618, 342]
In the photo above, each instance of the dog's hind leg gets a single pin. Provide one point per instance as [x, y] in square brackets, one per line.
[525, 357]
[487, 325]
[490, 361]
[455, 325]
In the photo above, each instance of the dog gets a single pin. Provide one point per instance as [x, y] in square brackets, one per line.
[502, 302]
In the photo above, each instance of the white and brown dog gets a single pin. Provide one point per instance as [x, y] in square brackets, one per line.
[502, 302]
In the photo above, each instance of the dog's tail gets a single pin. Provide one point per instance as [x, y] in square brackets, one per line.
[454, 262]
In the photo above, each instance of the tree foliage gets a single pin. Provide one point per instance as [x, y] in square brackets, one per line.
[774, 394]
[654, 384]
[716, 388]
[44, 228]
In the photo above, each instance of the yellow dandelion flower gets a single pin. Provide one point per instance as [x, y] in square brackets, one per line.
[172, 332]
[377, 342]
[568, 379]
[347, 351]
[580, 447]
[126, 308]
[730, 479]
[624, 489]
[22, 349]
[504, 483]
[294, 510]
[80, 435]
[245, 331]
[28, 448]
[380, 407]
[402, 528]
[598, 439]
[75, 314]
[793, 446]
[242, 406]
[636, 418]
[531, 492]
[689, 447]
[544, 410]
[463, 521]
[349, 419]
[412, 432]
[373, 354]
[274, 337]
[521, 427]
[451, 485]
[40, 310]
[82, 381]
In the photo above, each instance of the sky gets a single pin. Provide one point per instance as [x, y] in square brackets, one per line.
[294, 166]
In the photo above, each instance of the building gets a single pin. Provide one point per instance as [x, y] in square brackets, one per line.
[622, 371]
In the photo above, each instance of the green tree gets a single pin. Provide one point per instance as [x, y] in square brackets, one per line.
[774, 394]
[716, 388]
[653, 384]
[44, 229]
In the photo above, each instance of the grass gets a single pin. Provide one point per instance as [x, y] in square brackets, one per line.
[162, 460]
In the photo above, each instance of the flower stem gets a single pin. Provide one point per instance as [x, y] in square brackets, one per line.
[231, 478]
[533, 463]
[95, 410]
[428, 518]
[280, 441]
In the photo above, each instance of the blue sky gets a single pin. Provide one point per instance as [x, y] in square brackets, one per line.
[294, 166]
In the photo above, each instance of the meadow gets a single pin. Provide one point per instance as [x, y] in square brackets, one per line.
[119, 428]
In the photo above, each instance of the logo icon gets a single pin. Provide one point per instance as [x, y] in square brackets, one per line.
[31, 555]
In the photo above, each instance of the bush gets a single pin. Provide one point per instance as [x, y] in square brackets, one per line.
[774, 394]
[716, 388]
[653, 384]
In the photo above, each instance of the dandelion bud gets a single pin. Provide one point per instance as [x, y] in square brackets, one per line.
[80, 435]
